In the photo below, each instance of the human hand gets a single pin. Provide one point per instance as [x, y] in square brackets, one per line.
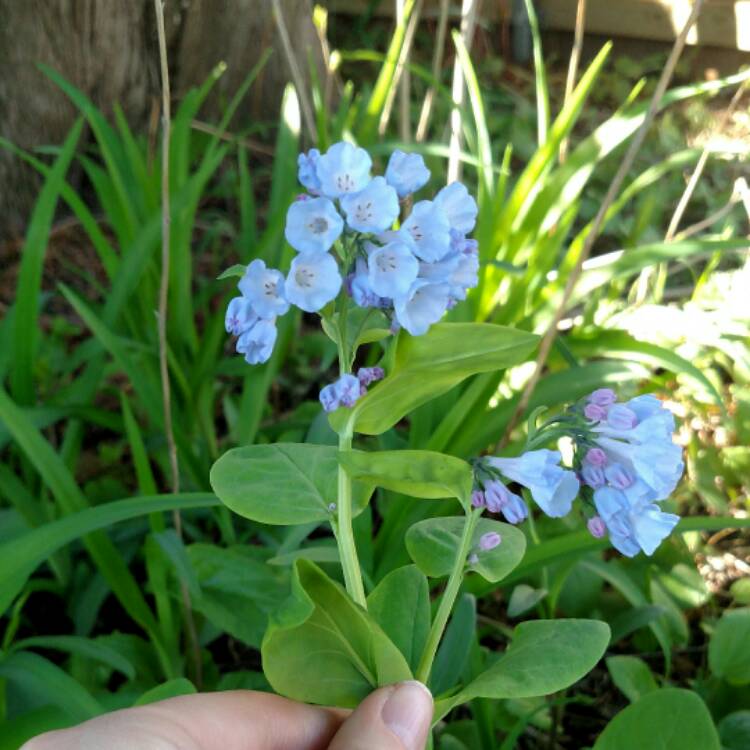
[396, 717]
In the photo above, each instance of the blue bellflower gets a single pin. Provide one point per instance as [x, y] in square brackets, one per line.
[313, 281]
[392, 269]
[257, 342]
[307, 170]
[424, 304]
[499, 499]
[264, 287]
[240, 316]
[344, 392]
[459, 207]
[360, 288]
[407, 173]
[313, 225]
[553, 488]
[429, 228]
[343, 169]
[373, 209]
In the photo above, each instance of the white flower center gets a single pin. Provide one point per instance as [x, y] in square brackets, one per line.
[305, 277]
[318, 225]
[363, 212]
[345, 182]
[386, 262]
[416, 233]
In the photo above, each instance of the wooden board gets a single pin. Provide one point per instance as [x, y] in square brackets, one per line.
[723, 23]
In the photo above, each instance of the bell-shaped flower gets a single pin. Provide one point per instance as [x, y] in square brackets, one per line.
[619, 417]
[312, 226]
[633, 520]
[424, 304]
[307, 170]
[429, 228]
[373, 209]
[392, 269]
[459, 206]
[657, 462]
[257, 342]
[343, 169]
[313, 281]
[602, 397]
[344, 392]
[499, 499]
[552, 487]
[359, 288]
[407, 173]
[264, 287]
[593, 476]
[618, 476]
[240, 316]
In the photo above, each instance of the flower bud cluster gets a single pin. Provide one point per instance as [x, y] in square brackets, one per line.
[348, 388]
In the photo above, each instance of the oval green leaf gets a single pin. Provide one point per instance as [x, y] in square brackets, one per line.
[285, 484]
[729, 648]
[432, 544]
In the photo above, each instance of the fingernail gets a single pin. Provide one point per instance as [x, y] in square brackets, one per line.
[408, 713]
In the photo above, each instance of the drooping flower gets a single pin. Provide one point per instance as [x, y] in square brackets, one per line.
[307, 170]
[373, 209]
[329, 398]
[489, 541]
[360, 288]
[552, 487]
[620, 417]
[424, 304]
[392, 269]
[313, 281]
[593, 476]
[240, 316]
[459, 206]
[264, 287]
[257, 342]
[344, 392]
[343, 169]
[429, 228]
[312, 226]
[369, 375]
[407, 173]
[500, 499]
[618, 476]
[633, 520]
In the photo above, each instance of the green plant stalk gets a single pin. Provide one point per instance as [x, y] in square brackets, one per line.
[448, 599]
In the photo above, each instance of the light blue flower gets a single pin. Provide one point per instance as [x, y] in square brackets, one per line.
[264, 287]
[407, 173]
[257, 342]
[429, 228]
[619, 417]
[373, 209]
[343, 169]
[633, 520]
[360, 289]
[499, 499]
[459, 206]
[313, 225]
[657, 462]
[307, 170]
[553, 488]
[346, 391]
[392, 269]
[424, 304]
[240, 316]
[313, 281]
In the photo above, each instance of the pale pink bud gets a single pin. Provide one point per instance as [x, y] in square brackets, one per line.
[489, 541]
[596, 457]
[596, 527]
[478, 499]
[594, 412]
[602, 397]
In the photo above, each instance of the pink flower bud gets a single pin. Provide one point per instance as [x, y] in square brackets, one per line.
[596, 457]
[621, 418]
[489, 541]
[602, 397]
[478, 499]
[594, 412]
[596, 527]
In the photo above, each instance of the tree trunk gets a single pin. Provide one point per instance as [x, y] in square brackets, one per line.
[108, 49]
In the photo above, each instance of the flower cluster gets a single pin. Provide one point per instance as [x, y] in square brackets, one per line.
[414, 267]
[348, 388]
[625, 463]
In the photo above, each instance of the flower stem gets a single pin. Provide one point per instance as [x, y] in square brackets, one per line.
[448, 599]
[345, 533]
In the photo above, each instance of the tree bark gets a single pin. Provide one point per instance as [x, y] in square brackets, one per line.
[107, 48]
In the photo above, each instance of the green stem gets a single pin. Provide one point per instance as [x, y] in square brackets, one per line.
[448, 599]
[345, 532]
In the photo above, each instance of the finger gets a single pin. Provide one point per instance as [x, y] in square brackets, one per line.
[397, 717]
[231, 720]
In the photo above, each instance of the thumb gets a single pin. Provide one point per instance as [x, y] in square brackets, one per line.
[396, 717]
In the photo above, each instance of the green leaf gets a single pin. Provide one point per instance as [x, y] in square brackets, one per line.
[424, 474]
[426, 366]
[23, 554]
[734, 731]
[728, 652]
[662, 719]
[524, 598]
[632, 676]
[86, 647]
[285, 483]
[400, 604]
[455, 647]
[169, 689]
[238, 269]
[434, 543]
[322, 648]
[49, 685]
[25, 325]
[544, 656]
